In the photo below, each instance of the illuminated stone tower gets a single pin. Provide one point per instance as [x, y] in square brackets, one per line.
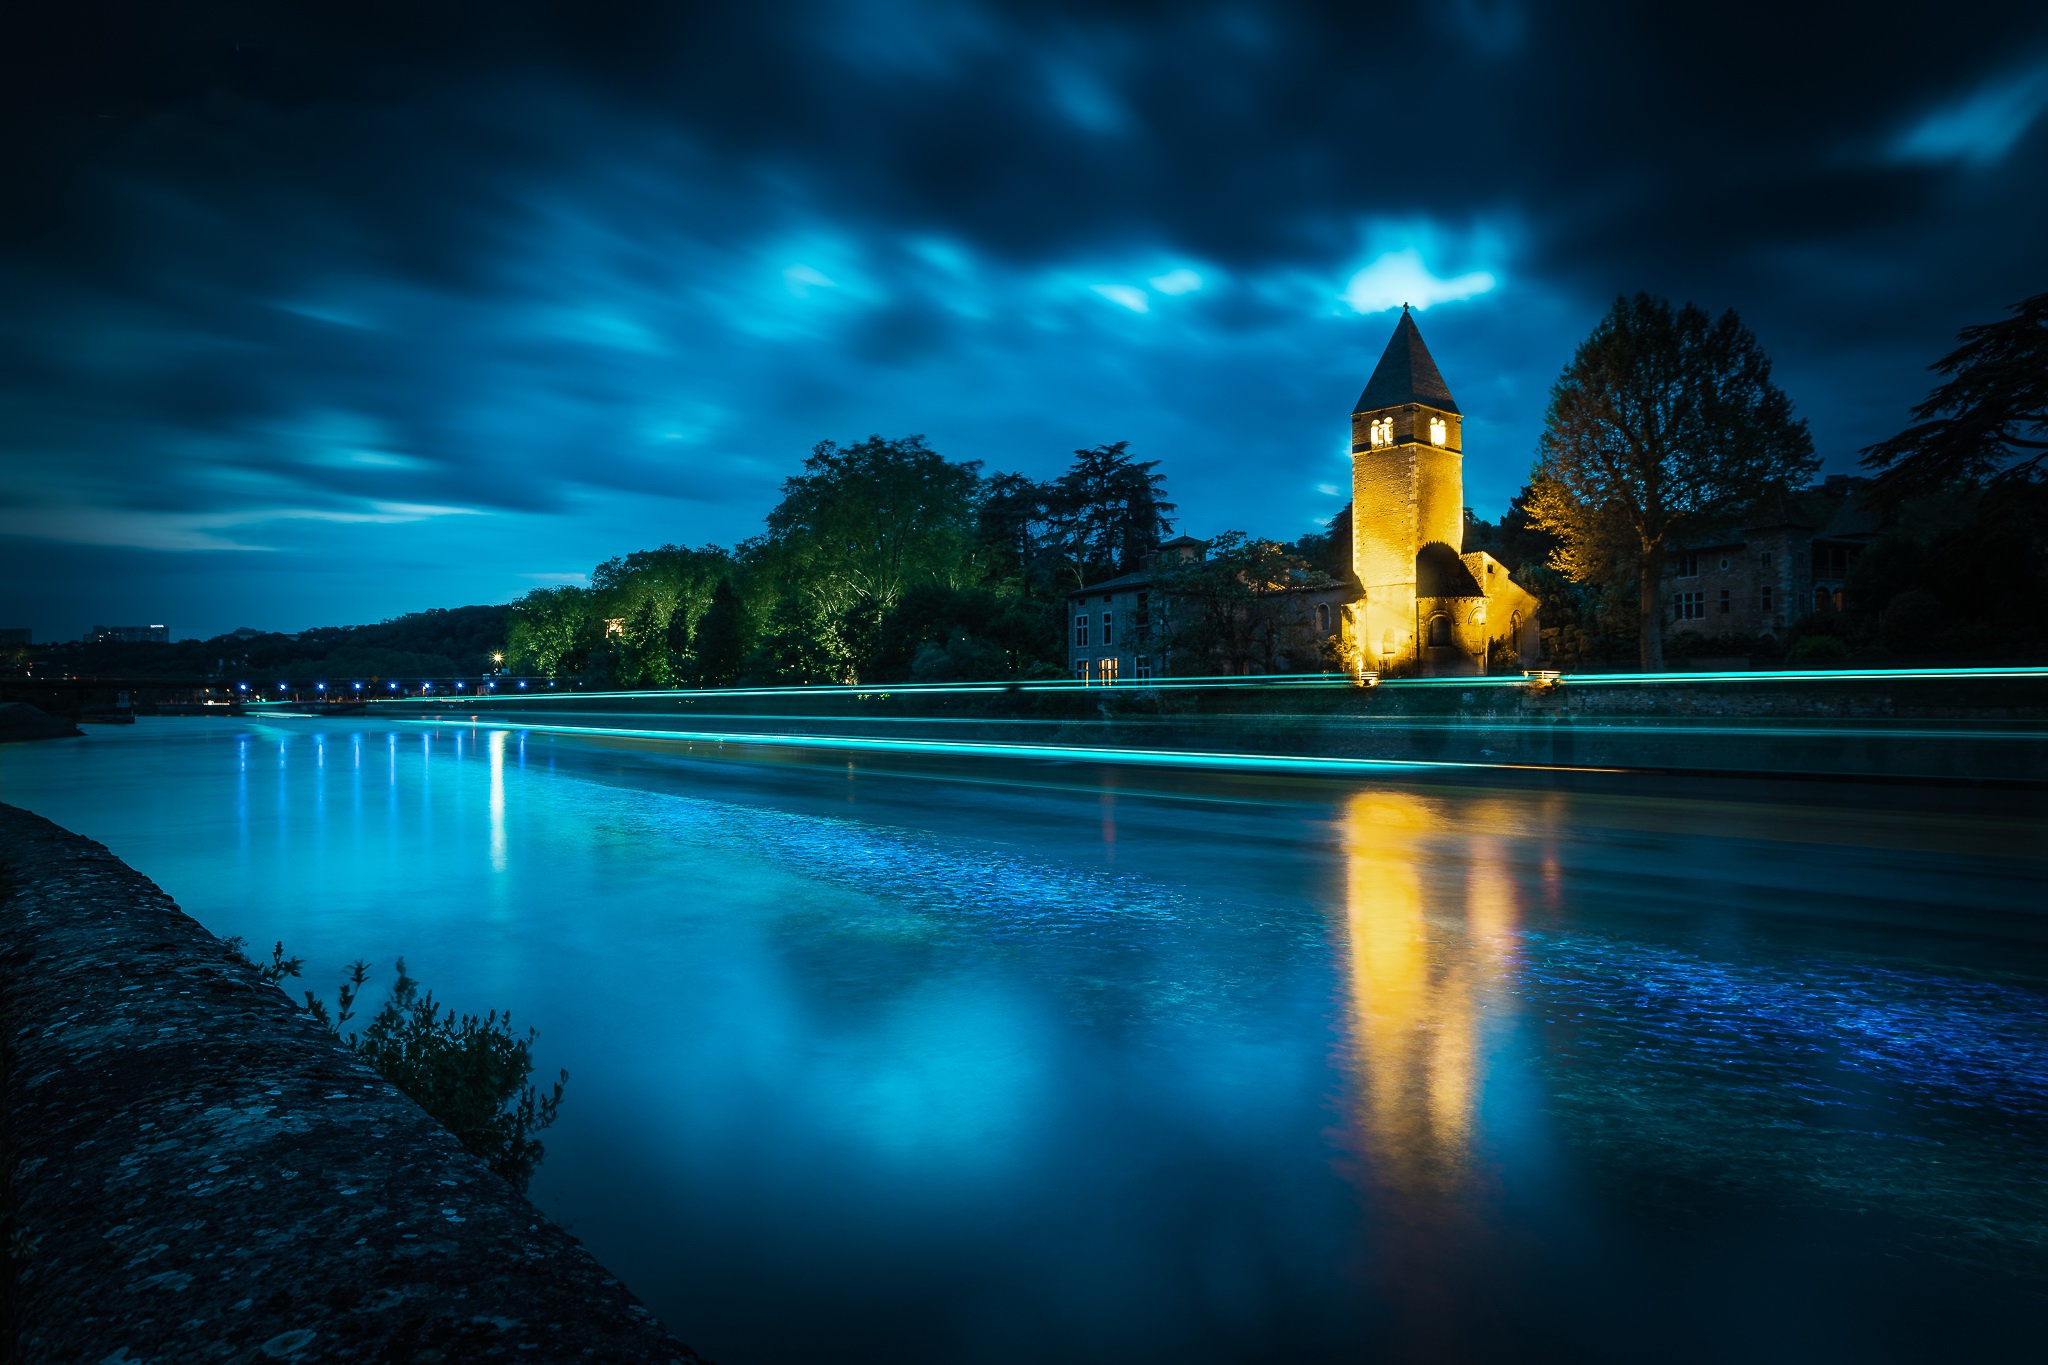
[1427, 605]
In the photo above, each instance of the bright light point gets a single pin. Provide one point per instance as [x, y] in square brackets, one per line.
[1182, 281]
[1125, 296]
[1400, 277]
[802, 279]
[1981, 128]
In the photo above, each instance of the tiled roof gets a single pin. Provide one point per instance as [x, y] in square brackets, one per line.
[1406, 374]
[1129, 580]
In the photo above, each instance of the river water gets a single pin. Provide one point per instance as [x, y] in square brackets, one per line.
[963, 1061]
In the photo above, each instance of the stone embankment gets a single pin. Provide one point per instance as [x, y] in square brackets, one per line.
[196, 1171]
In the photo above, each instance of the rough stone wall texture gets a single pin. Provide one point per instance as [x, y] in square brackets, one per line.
[1384, 517]
[1403, 497]
[196, 1171]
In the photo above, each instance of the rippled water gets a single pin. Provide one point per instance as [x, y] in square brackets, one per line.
[986, 1062]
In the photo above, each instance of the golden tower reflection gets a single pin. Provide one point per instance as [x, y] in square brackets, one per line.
[1430, 913]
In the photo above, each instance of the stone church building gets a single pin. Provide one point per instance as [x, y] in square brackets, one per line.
[1425, 607]
[1417, 604]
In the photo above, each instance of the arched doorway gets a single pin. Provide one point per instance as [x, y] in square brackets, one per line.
[1439, 631]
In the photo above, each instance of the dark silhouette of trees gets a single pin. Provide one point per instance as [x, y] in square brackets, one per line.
[1110, 512]
[722, 637]
[1664, 423]
[1987, 425]
[1230, 611]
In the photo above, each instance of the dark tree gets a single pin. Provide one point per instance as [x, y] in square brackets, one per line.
[1988, 424]
[1232, 612]
[1664, 423]
[1014, 530]
[676, 643]
[1111, 512]
[722, 637]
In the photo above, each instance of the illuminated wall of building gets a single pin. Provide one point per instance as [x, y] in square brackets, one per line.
[1408, 495]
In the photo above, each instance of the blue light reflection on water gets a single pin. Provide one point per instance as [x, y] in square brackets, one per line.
[1070, 1060]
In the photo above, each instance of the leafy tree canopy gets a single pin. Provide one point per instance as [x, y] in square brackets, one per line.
[865, 521]
[1230, 612]
[1665, 423]
[1110, 512]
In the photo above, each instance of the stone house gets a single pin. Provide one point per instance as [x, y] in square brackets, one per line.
[1756, 580]
[1119, 630]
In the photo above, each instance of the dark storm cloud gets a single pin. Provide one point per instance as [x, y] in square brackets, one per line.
[345, 310]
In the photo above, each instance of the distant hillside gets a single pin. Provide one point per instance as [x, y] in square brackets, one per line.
[445, 642]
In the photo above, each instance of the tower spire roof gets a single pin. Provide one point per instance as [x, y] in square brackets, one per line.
[1406, 374]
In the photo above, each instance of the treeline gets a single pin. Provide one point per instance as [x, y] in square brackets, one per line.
[1666, 429]
[439, 643]
[883, 561]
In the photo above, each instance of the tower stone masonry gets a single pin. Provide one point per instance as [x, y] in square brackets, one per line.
[1427, 607]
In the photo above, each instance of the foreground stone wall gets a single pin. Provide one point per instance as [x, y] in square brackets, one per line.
[198, 1172]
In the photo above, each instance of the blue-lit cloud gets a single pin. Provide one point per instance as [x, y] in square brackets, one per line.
[477, 317]
[1981, 128]
[1399, 278]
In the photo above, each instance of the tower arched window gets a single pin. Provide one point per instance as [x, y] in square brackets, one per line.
[1382, 431]
[1439, 433]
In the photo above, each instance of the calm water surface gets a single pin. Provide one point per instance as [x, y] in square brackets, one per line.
[1015, 1063]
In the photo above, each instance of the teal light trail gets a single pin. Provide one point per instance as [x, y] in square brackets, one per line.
[1184, 758]
[1272, 682]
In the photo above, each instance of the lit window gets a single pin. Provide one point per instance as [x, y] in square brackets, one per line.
[1439, 434]
[1081, 671]
[1105, 669]
[1081, 631]
[1108, 629]
[1382, 431]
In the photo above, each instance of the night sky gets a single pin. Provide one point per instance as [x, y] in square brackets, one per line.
[316, 314]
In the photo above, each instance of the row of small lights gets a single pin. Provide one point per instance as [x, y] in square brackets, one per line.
[424, 687]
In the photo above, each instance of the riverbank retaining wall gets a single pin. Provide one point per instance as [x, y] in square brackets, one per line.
[197, 1171]
[1911, 729]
